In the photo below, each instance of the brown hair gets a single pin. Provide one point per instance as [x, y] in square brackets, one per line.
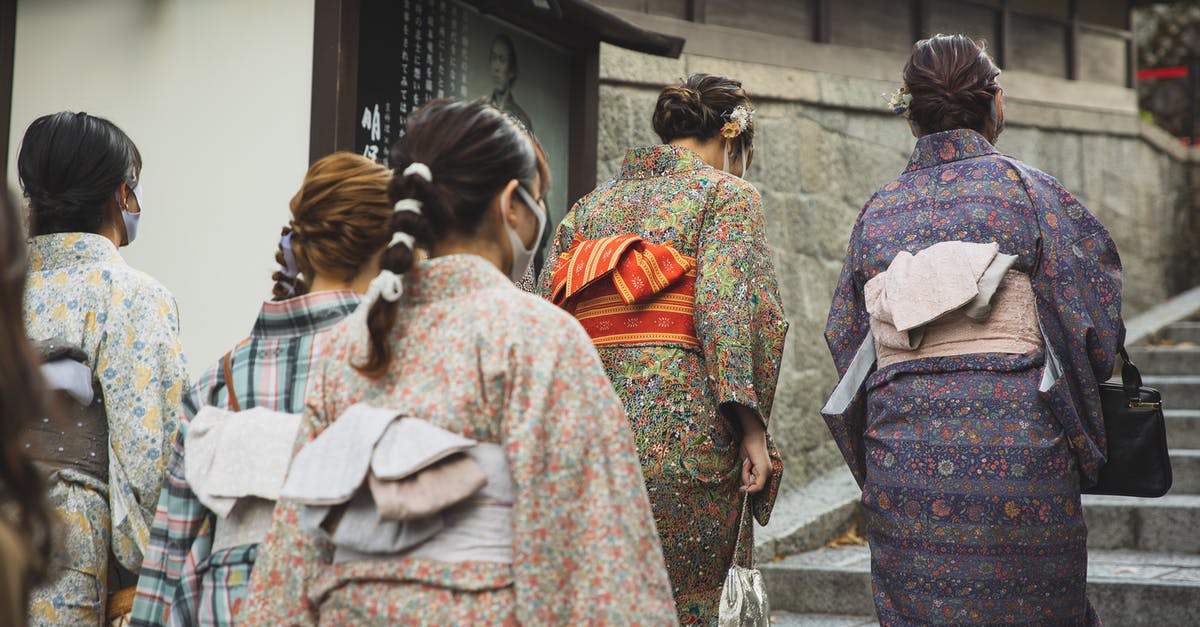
[472, 150]
[339, 219]
[698, 107]
[22, 391]
[953, 85]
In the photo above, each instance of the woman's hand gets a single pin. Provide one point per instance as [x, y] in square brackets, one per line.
[756, 464]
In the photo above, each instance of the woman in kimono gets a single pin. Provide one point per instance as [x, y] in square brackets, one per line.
[976, 313]
[667, 268]
[560, 531]
[194, 572]
[81, 176]
[25, 521]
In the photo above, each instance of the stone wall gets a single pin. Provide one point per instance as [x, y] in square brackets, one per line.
[825, 144]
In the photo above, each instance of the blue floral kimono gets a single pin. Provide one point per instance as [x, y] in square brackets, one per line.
[971, 465]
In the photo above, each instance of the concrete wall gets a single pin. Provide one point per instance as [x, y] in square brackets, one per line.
[825, 144]
[216, 95]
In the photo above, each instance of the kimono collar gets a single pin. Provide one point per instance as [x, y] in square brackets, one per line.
[451, 276]
[661, 160]
[947, 146]
[304, 315]
[62, 250]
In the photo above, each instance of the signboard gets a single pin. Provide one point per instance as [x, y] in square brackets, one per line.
[413, 51]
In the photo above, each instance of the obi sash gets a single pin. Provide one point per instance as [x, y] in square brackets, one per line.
[953, 298]
[627, 291]
[235, 463]
[381, 485]
[78, 438]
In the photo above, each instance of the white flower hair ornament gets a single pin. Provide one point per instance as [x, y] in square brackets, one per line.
[900, 101]
[737, 121]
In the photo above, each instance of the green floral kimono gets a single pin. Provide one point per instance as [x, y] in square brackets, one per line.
[673, 392]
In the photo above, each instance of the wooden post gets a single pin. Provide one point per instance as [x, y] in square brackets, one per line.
[822, 21]
[918, 19]
[335, 77]
[583, 134]
[698, 11]
[1003, 35]
[8, 38]
[1073, 39]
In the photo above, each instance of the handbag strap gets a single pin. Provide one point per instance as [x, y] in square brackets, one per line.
[227, 365]
[737, 547]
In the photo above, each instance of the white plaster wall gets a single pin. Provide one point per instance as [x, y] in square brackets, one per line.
[216, 94]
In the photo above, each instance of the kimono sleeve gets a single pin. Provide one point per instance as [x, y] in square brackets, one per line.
[182, 528]
[739, 315]
[847, 328]
[142, 372]
[290, 558]
[585, 549]
[1077, 286]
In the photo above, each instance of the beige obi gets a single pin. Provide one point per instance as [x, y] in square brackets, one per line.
[953, 298]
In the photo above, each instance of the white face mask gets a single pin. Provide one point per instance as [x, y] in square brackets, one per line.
[745, 166]
[522, 256]
[132, 219]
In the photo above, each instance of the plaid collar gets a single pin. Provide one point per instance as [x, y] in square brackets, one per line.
[304, 315]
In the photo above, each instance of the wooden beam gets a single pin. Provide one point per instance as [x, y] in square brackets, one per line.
[8, 38]
[335, 77]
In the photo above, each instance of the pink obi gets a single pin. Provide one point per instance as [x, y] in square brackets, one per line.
[1011, 327]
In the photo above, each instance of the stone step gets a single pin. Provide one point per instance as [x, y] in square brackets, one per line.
[1126, 587]
[1168, 524]
[1185, 471]
[1182, 332]
[1178, 391]
[1154, 360]
[1183, 428]
[787, 619]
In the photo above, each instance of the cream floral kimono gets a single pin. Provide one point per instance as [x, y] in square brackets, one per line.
[81, 290]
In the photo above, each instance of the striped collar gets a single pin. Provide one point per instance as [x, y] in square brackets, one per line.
[305, 314]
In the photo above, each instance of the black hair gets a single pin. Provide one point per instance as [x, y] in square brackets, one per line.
[472, 150]
[70, 165]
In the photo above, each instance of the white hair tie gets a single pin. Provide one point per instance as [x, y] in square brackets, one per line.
[400, 237]
[419, 169]
[387, 285]
[407, 204]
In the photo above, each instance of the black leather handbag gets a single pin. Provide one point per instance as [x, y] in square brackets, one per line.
[1139, 463]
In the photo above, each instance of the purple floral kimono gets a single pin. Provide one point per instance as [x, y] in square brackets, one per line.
[971, 465]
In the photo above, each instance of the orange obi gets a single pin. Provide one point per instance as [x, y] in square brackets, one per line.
[625, 290]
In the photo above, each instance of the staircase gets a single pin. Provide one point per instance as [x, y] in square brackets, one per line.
[1144, 554]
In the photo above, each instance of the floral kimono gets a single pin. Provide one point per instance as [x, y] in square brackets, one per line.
[185, 580]
[80, 291]
[971, 464]
[667, 268]
[475, 356]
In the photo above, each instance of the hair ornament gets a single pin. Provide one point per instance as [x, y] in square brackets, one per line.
[900, 101]
[737, 121]
[400, 237]
[388, 285]
[412, 205]
[419, 169]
